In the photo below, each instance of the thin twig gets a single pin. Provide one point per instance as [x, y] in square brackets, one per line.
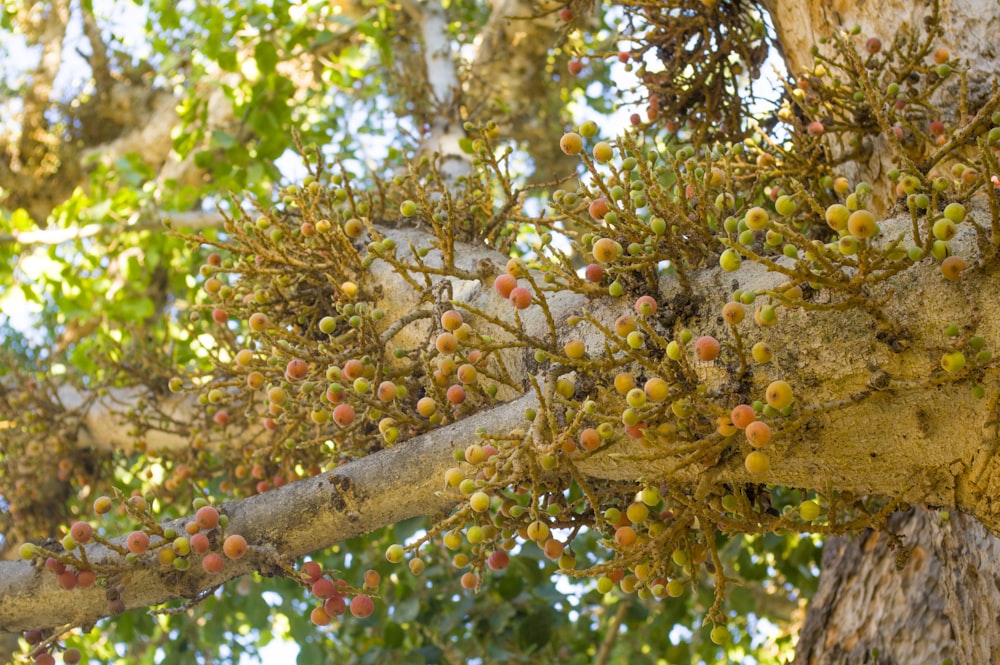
[609, 638]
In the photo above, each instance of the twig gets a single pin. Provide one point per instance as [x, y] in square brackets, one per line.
[609, 638]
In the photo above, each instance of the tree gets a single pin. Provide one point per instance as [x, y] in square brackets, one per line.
[669, 361]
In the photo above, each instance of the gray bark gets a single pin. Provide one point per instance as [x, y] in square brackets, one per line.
[944, 599]
[937, 597]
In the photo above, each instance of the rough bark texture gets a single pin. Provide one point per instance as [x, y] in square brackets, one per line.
[941, 602]
[283, 524]
[914, 438]
[968, 31]
[512, 79]
[970, 27]
[944, 601]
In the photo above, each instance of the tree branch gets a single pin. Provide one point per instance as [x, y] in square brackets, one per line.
[194, 221]
[99, 63]
[283, 524]
[38, 95]
[611, 635]
[913, 436]
[511, 63]
[442, 78]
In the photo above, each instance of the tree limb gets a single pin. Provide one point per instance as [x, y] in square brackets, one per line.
[194, 221]
[283, 524]
[38, 95]
[913, 436]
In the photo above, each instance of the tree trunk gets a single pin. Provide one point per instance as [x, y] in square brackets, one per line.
[969, 27]
[965, 28]
[934, 598]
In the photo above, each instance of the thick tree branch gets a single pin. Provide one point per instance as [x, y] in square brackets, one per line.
[387, 487]
[442, 86]
[511, 63]
[98, 59]
[967, 27]
[854, 433]
[874, 417]
[194, 221]
[38, 95]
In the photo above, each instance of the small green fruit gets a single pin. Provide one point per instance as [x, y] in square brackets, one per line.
[848, 245]
[785, 205]
[480, 502]
[955, 212]
[779, 394]
[720, 635]
[944, 229]
[603, 152]
[636, 398]
[408, 208]
[650, 496]
[953, 362]
[730, 260]
[941, 249]
[571, 143]
[756, 218]
[809, 510]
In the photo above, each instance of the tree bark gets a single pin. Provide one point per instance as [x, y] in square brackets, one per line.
[943, 601]
[915, 436]
[969, 28]
[935, 597]
[966, 28]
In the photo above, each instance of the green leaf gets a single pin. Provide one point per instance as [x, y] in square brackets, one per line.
[510, 586]
[137, 309]
[393, 634]
[203, 159]
[227, 61]
[266, 56]
[325, 36]
[221, 139]
[20, 220]
[310, 653]
[535, 630]
[82, 356]
[407, 610]
[29, 294]
[431, 654]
